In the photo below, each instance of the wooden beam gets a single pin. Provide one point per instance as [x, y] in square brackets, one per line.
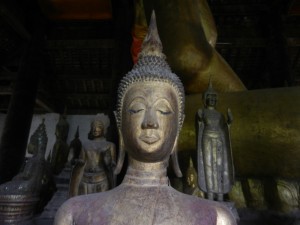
[44, 105]
[13, 21]
[80, 44]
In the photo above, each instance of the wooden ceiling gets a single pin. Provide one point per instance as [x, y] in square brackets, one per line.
[86, 47]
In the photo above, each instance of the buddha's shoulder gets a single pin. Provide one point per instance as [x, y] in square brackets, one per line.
[202, 208]
[78, 206]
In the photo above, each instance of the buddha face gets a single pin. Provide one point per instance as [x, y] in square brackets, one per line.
[190, 179]
[150, 120]
[211, 100]
[97, 129]
[31, 148]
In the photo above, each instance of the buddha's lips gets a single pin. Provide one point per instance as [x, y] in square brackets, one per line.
[149, 138]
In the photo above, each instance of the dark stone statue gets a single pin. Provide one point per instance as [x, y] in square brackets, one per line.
[58, 157]
[215, 163]
[93, 172]
[29, 190]
[74, 148]
[150, 114]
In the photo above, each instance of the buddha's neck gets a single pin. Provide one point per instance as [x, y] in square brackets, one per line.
[99, 138]
[146, 173]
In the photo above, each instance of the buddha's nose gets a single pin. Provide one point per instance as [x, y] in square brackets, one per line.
[150, 120]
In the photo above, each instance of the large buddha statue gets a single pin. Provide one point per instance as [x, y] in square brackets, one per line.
[150, 113]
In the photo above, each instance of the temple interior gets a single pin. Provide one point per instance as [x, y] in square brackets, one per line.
[61, 63]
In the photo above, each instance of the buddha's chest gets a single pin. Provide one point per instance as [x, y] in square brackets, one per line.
[141, 206]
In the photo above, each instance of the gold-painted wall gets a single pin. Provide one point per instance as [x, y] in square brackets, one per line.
[265, 132]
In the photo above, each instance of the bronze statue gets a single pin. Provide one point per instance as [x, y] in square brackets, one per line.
[93, 172]
[58, 157]
[28, 189]
[74, 148]
[150, 113]
[215, 166]
[191, 186]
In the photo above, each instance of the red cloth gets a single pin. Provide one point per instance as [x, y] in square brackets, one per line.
[138, 35]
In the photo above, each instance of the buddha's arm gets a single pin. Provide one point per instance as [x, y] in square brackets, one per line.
[64, 216]
[207, 21]
[110, 161]
[225, 217]
[76, 175]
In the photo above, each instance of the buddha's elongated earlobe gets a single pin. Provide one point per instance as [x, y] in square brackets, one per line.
[121, 154]
[174, 157]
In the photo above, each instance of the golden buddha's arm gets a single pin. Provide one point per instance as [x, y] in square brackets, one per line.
[186, 30]
[208, 22]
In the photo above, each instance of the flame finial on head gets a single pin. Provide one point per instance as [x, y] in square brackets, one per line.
[152, 44]
[209, 90]
[151, 66]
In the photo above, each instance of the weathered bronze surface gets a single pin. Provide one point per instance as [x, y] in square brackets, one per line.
[188, 33]
[93, 171]
[58, 156]
[214, 154]
[265, 136]
[19, 197]
[149, 117]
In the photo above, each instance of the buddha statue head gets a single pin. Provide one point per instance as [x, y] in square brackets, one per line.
[99, 126]
[210, 96]
[62, 128]
[150, 106]
[191, 175]
[38, 140]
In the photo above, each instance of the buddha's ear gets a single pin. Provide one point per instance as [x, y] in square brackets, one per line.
[121, 154]
[174, 157]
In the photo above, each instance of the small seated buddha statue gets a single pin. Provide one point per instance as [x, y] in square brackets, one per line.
[149, 116]
[191, 186]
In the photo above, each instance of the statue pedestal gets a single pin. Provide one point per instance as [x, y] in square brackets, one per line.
[17, 208]
[232, 208]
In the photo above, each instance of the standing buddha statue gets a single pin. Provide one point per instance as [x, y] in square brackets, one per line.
[215, 163]
[93, 171]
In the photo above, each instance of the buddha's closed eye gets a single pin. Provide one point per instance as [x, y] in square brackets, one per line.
[134, 111]
[164, 112]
